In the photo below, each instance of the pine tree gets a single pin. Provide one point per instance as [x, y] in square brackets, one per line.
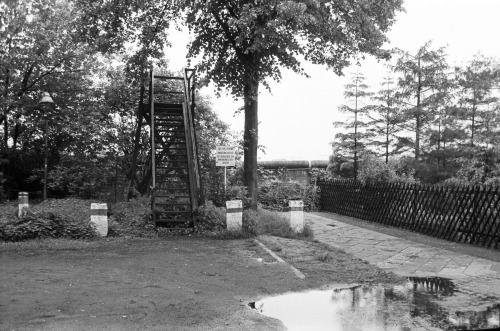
[385, 122]
[476, 82]
[422, 74]
[353, 141]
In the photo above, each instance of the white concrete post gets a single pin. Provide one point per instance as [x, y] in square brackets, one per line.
[234, 215]
[296, 215]
[23, 199]
[99, 218]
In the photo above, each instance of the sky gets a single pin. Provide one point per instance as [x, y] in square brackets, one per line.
[296, 116]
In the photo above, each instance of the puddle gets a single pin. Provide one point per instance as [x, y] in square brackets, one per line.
[412, 306]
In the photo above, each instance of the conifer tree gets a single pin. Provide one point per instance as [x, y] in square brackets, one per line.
[353, 140]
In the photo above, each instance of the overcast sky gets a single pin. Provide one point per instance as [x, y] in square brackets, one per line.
[296, 117]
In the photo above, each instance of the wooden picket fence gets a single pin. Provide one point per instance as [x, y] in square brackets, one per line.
[462, 214]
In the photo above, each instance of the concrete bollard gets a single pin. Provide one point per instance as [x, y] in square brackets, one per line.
[23, 199]
[296, 215]
[234, 215]
[99, 218]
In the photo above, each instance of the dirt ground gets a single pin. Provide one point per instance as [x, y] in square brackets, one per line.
[175, 283]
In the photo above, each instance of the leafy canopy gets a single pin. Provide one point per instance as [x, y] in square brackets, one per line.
[241, 40]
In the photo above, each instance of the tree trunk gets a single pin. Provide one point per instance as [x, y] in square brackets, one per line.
[418, 114]
[250, 139]
[473, 124]
[137, 145]
[356, 133]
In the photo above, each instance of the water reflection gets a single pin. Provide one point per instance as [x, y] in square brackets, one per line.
[414, 305]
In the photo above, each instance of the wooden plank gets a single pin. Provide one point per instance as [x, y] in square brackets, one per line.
[452, 230]
[168, 77]
[465, 212]
[481, 212]
[494, 216]
[449, 195]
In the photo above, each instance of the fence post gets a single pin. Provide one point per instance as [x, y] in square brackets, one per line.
[99, 218]
[296, 215]
[23, 200]
[234, 215]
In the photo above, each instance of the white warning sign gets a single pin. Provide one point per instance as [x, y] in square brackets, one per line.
[225, 156]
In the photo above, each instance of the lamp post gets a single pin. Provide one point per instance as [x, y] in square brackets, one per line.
[46, 101]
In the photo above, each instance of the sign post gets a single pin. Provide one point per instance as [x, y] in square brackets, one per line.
[225, 157]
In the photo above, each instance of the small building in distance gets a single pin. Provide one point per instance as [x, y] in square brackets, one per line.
[299, 171]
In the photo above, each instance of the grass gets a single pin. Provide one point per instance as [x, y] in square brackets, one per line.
[323, 257]
[51, 244]
[265, 222]
[129, 220]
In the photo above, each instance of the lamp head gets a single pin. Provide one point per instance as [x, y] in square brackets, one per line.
[46, 99]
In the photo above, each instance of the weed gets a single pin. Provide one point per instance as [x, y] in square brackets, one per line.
[272, 223]
[230, 234]
[210, 219]
[323, 257]
[132, 218]
[44, 225]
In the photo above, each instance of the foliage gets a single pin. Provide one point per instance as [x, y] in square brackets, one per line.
[423, 79]
[8, 211]
[2, 193]
[132, 218]
[44, 225]
[275, 195]
[210, 218]
[476, 82]
[349, 144]
[242, 43]
[71, 209]
[261, 221]
[481, 166]
[374, 170]
[384, 128]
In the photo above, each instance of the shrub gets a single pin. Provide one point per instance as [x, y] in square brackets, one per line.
[272, 223]
[210, 218]
[72, 209]
[274, 195]
[44, 225]
[374, 170]
[8, 211]
[133, 218]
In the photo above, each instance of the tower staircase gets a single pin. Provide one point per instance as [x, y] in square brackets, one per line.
[176, 183]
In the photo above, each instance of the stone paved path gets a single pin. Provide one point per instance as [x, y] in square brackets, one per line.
[407, 258]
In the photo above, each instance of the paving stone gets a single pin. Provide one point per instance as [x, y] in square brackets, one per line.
[407, 258]
[478, 269]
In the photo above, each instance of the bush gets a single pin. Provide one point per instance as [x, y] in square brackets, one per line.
[210, 218]
[271, 223]
[44, 225]
[72, 209]
[8, 211]
[65, 218]
[374, 170]
[274, 195]
[133, 218]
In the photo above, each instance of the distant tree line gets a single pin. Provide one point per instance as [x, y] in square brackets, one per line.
[427, 122]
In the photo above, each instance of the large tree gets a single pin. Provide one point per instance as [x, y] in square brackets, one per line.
[422, 75]
[241, 43]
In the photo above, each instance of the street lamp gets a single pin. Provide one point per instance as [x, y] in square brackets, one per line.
[46, 101]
